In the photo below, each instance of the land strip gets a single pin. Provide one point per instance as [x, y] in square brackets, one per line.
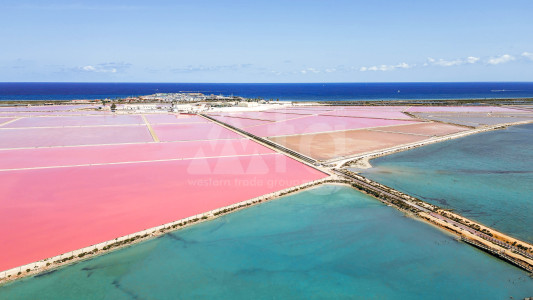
[10, 121]
[139, 161]
[517, 255]
[152, 132]
[350, 160]
[85, 253]
[300, 157]
[512, 250]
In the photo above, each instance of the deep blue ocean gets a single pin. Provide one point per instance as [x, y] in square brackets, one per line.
[282, 91]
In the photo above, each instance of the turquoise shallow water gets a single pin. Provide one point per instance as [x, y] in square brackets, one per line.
[487, 177]
[329, 242]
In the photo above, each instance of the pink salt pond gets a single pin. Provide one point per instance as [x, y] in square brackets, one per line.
[376, 108]
[54, 113]
[379, 114]
[265, 116]
[61, 121]
[462, 109]
[241, 122]
[192, 132]
[314, 124]
[425, 128]
[174, 118]
[303, 111]
[72, 156]
[72, 136]
[47, 212]
[44, 108]
[3, 120]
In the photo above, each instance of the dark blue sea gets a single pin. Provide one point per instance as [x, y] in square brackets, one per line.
[282, 91]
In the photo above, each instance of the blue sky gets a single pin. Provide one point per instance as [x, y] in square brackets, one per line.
[266, 41]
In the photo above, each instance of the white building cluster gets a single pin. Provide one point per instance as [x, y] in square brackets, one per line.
[162, 107]
[183, 97]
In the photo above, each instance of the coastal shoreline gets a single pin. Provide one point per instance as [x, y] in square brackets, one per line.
[71, 257]
[363, 160]
[513, 250]
[86, 253]
[409, 206]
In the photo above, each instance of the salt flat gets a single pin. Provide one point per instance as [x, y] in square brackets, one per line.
[69, 182]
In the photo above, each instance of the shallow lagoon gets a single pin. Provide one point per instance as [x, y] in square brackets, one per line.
[329, 242]
[487, 177]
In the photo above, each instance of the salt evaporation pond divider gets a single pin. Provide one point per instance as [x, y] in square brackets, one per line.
[76, 121]
[193, 131]
[72, 136]
[47, 212]
[329, 242]
[71, 156]
[314, 124]
[171, 118]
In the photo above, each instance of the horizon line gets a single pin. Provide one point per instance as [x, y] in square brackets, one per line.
[312, 82]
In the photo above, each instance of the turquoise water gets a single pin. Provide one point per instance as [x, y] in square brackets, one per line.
[329, 242]
[487, 177]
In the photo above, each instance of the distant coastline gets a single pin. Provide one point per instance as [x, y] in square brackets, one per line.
[324, 92]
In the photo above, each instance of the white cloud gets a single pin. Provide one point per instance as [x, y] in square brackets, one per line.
[528, 55]
[310, 70]
[98, 69]
[403, 66]
[202, 68]
[500, 59]
[472, 59]
[105, 68]
[449, 63]
[386, 67]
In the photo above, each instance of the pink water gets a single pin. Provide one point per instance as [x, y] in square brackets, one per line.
[309, 108]
[5, 120]
[377, 108]
[72, 136]
[192, 132]
[54, 113]
[302, 111]
[47, 212]
[313, 124]
[268, 116]
[70, 156]
[462, 109]
[44, 108]
[241, 122]
[76, 121]
[174, 118]
[382, 114]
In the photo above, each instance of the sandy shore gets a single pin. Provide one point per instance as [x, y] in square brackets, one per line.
[363, 163]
